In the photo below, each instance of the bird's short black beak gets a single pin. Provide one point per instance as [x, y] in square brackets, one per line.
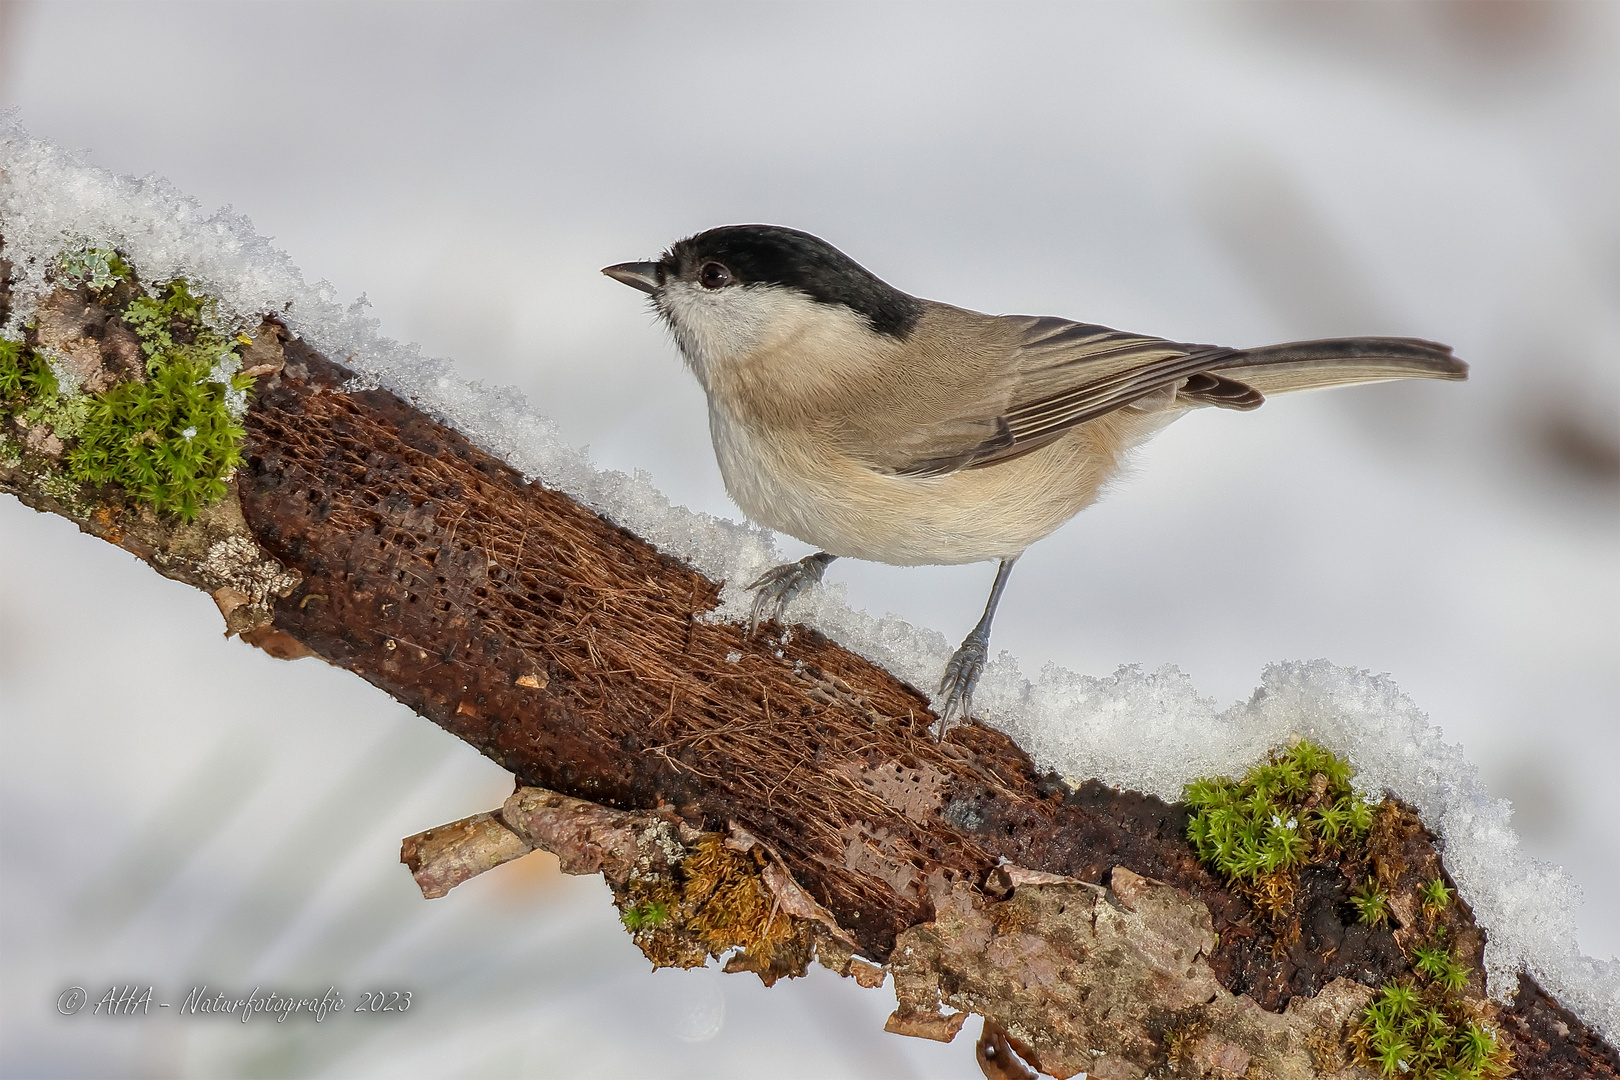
[645, 276]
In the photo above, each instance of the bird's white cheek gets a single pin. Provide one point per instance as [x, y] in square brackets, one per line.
[721, 332]
[712, 328]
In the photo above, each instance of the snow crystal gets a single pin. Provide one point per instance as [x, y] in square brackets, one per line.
[1147, 730]
[224, 369]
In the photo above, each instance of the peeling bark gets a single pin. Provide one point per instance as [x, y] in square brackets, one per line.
[1050, 965]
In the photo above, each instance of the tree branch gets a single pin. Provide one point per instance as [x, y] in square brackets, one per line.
[776, 799]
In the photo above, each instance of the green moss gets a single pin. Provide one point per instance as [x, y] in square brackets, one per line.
[24, 376]
[1298, 807]
[1294, 808]
[1371, 903]
[645, 915]
[1436, 962]
[1423, 1026]
[1436, 897]
[169, 441]
[1426, 1031]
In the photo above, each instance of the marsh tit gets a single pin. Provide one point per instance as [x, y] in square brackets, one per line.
[877, 425]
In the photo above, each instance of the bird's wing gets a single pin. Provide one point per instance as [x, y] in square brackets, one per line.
[1059, 374]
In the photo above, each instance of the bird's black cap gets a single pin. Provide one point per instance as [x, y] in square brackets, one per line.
[772, 255]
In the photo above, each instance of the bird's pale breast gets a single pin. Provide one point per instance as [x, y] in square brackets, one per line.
[810, 491]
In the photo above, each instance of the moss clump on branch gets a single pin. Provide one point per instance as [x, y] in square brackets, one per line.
[1420, 1029]
[1295, 808]
[1425, 1026]
[24, 377]
[169, 436]
[713, 902]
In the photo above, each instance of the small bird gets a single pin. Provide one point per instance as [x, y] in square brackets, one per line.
[877, 425]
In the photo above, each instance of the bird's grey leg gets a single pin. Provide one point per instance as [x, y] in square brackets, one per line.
[963, 670]
[778, 586]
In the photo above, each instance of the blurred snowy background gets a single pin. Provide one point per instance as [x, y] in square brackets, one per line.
[177, 809]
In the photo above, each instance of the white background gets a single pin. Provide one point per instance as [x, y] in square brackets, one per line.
[176, 809]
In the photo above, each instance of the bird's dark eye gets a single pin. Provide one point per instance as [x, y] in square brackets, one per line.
[714, 276]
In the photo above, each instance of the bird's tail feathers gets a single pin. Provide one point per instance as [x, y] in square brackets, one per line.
[1308, 365]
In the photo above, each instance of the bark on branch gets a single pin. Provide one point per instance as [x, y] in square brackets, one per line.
[779, 798]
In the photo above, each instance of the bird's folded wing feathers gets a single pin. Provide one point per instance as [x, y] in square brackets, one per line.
[1061, 374]
[1056, 375]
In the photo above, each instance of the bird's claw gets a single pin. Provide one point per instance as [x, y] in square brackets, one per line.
[961, 676]
[777, 587]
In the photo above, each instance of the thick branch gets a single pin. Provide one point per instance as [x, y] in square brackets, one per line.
[576, 656]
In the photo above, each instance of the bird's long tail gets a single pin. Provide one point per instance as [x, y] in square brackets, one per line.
[1308, 365]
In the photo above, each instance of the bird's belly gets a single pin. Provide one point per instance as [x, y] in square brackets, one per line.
[794, 485]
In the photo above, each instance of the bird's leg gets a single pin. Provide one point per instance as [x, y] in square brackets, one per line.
[779, 585]
[964, 668]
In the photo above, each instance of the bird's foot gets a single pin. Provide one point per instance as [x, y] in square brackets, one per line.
[955, 698]
[778, 586]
